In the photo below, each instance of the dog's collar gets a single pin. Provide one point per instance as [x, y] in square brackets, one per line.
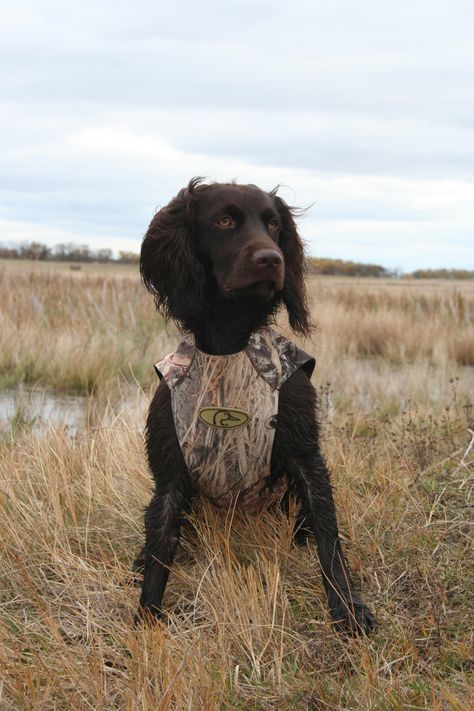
[272, 355]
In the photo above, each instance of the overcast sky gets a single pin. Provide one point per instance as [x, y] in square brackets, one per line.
[364, 110]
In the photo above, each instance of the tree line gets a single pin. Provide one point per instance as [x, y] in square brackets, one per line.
[69, 252]
[442, 274]
[72, 252]
[340, 267]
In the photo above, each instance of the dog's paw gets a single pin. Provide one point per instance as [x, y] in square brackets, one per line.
[147, 616]
[351, 616]
[301, 536]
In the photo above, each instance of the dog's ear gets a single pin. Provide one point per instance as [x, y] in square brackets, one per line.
[294, 290]
[169, 267]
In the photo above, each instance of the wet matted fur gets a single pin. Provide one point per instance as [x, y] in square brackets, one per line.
[220, 260]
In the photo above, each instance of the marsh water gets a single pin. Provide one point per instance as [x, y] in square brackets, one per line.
[38, 409]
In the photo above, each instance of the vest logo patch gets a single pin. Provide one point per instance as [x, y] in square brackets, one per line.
[223, 418]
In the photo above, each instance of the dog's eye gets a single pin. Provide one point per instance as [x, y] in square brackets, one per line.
[225, 221]
[273, 224]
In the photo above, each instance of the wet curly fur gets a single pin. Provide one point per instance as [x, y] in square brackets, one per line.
[220, 260]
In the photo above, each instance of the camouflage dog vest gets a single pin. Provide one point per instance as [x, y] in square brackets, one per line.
[225, 411]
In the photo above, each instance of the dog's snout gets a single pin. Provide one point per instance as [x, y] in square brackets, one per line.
[267, 258]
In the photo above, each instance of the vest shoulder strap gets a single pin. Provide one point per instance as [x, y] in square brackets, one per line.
[175, 366]
[275, 358]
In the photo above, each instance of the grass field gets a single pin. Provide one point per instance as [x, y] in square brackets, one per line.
[247, 625]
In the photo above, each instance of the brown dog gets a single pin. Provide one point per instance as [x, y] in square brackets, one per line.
[220, 260]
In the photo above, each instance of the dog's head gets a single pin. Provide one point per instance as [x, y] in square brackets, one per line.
[224, 241]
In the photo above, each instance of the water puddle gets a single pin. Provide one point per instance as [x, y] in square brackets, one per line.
[36, 410]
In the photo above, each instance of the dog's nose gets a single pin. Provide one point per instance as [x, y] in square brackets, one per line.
[267, 258]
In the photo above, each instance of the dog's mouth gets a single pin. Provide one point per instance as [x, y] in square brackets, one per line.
[261, 288]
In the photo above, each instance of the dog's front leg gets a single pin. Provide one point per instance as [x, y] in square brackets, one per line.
[172, 496]
[162, 528]
[296, 452]
[314, 492]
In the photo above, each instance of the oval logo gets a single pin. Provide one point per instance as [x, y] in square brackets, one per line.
[223, 418]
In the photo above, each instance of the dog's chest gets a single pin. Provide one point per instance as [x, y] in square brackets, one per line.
[225, 411]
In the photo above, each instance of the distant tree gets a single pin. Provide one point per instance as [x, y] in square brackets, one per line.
[441, 274]
[103, 255]
[128, 257]
[34, 250]
[340, 267]
[72, 252]
[8, 252]
[81, 253]
[60, 252]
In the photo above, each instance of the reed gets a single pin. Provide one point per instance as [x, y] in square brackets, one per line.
[76, 331]
[247, 625]
[88, 330]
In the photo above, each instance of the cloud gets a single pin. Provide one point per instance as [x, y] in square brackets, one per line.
[364, 109]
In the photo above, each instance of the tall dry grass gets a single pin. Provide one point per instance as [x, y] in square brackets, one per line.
[381, 344]
[80, 330]
[76, 331]
[247, 626]
[399, 321]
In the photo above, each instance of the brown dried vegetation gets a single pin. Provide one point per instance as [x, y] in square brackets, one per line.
[247, 626]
